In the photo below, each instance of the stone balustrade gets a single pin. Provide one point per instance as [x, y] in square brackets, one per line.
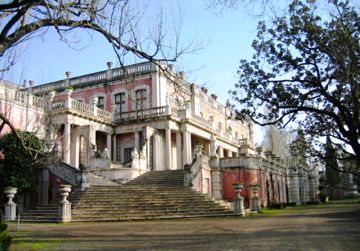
[250, 162]
[107, 75]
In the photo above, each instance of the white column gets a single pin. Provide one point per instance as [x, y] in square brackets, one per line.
[178, 150]
[108, 145]
[230, 154]
[137, 141]
[66, 149]
[155, 153]
[168, 148]
[114, 149]
[74, 160]
[92, 136]
[187, 148]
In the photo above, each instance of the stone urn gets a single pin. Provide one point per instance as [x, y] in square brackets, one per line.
[10, 206]
[255, 197]
[238, 187]
[10, 194]
[64, 191]
[238, 200]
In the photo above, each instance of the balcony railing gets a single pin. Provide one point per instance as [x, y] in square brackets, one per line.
[150, 113]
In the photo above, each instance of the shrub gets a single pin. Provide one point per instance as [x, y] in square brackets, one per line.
[5, 241]
[278, 205]
[5, 238]
[3, 227]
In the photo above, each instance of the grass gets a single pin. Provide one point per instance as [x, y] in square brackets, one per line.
[27, 240]
[308, 208]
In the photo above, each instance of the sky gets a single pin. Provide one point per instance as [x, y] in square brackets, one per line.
[225, 38]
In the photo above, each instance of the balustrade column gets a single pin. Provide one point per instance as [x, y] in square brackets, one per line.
[168, 148]
[66, 149]
[221, 152]
[178, 150]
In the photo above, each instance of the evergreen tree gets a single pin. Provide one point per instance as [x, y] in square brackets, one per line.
[16, 168]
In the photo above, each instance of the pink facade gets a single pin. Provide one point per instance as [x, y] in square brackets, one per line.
[272, 186]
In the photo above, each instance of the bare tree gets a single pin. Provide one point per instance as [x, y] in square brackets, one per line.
[120, 22]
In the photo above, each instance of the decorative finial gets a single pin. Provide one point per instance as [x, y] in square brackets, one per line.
[68, 74]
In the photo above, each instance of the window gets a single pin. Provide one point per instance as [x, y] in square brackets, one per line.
[101, 102]
[120, 102]
[127, 154]
[140, 96]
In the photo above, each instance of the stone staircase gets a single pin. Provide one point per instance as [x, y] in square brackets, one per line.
[47, 213]
[153, 195]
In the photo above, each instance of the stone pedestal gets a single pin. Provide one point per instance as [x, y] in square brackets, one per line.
[64, 205]
[10, 206]
[238, 200]
[254, 198]
[216, 183]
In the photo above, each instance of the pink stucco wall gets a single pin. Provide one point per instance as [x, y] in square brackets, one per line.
[108, 90]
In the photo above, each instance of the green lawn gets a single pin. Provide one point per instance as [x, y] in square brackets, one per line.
[308, 208]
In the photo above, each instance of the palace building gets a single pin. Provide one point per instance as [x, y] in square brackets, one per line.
[123, 123]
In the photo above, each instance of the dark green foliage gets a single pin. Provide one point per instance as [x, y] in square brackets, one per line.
[5, 238]
[16, 169]
[3, 227]
[5, 241]
[305, 69]
[278, 205]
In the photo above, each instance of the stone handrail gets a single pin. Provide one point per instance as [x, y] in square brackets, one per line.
[67, 173]
[194, 169]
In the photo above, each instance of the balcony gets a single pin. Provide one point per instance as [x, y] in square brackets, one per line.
[145, 114]
[82, 109]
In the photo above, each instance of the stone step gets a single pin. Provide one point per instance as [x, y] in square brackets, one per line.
[153, 195]
[147, 208]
